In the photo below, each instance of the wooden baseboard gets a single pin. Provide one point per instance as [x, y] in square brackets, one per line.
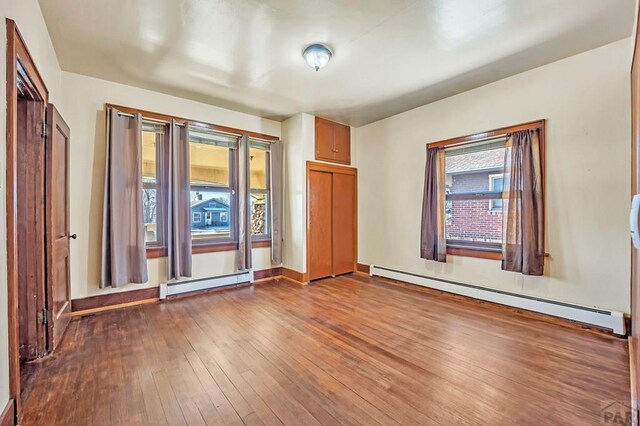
[298, 277]
[123, 299]
[8, 416]
[363, 268]
[114, 299]
[112, 307]
[267, 273]
[633, 372]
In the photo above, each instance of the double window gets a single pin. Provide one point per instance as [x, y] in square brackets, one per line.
[213, 170]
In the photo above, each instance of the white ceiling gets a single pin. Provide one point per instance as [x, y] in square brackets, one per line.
[389, 55]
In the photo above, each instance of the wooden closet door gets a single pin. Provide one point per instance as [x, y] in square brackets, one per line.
[344, 223]
[319, 226]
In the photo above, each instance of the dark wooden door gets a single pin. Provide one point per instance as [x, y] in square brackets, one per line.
[57, 226]
[344, 223]
[31, 229]
[319, 226]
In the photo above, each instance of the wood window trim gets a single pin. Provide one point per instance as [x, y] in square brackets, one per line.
[481, 254]
[492, 134]
[155, 252]
[166, 117]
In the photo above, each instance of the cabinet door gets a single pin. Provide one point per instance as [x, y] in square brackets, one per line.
[324, 139]
[319, 226]
[344, 223]
[342, 144]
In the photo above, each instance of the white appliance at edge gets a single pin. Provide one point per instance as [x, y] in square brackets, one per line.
[633, 221]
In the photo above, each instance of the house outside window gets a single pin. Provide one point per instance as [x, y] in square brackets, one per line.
[473, 208]
[213, 165]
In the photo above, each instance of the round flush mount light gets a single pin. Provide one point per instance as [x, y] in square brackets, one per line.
[317, 55]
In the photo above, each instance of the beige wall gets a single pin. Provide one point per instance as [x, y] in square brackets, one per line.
[84, 99]
[586, 101]
[298, 135]
[29, 19]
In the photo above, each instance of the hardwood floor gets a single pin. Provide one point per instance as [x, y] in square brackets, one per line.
[349, 350]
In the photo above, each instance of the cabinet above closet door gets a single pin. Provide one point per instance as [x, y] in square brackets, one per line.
[333, 141]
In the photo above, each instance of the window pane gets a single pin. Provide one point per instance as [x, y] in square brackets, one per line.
[259, 219]
[150, 141]
[149, 207]
[210, 214]
[473, 220]
[496, 184]
[469, 169]
[258, 168]
[209, 164]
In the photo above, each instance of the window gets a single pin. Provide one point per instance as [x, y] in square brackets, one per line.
[259, 170]
[153, 136]
[495, 185]
[212, 157]
[473, 208]
[213, 170]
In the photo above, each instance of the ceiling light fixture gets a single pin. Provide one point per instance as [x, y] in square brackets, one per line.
[317, 55]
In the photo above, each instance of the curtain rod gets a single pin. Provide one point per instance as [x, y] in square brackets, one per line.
[125, 114]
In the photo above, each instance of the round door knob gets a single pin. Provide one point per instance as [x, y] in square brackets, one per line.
[73, 236]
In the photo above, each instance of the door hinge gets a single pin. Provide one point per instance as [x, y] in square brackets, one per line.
[44, 315]
[43, 130]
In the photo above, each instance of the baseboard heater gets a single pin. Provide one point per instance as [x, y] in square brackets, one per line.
[189, 286]
[610, 320]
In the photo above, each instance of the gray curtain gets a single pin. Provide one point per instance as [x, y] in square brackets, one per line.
[276, 201]
[523, 205]
[432, 239]
[244, 205]
[178, 204]
[124, 256]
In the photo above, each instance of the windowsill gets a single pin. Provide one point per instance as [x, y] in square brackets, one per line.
[201, 247]
[156, 252]
[459, 249]
[259, 243]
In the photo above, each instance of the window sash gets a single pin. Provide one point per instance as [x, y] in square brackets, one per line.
[482, 195]
[267, 234]
[159, 183]
[474, 245]
[257, 144]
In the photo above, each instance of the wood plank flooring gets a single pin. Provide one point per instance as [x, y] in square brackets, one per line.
[348, 350]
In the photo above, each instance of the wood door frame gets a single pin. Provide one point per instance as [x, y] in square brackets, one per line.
[16, 51]
[331, 168]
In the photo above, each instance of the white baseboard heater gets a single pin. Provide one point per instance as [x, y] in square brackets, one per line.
[188, 286]
[610, 320]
